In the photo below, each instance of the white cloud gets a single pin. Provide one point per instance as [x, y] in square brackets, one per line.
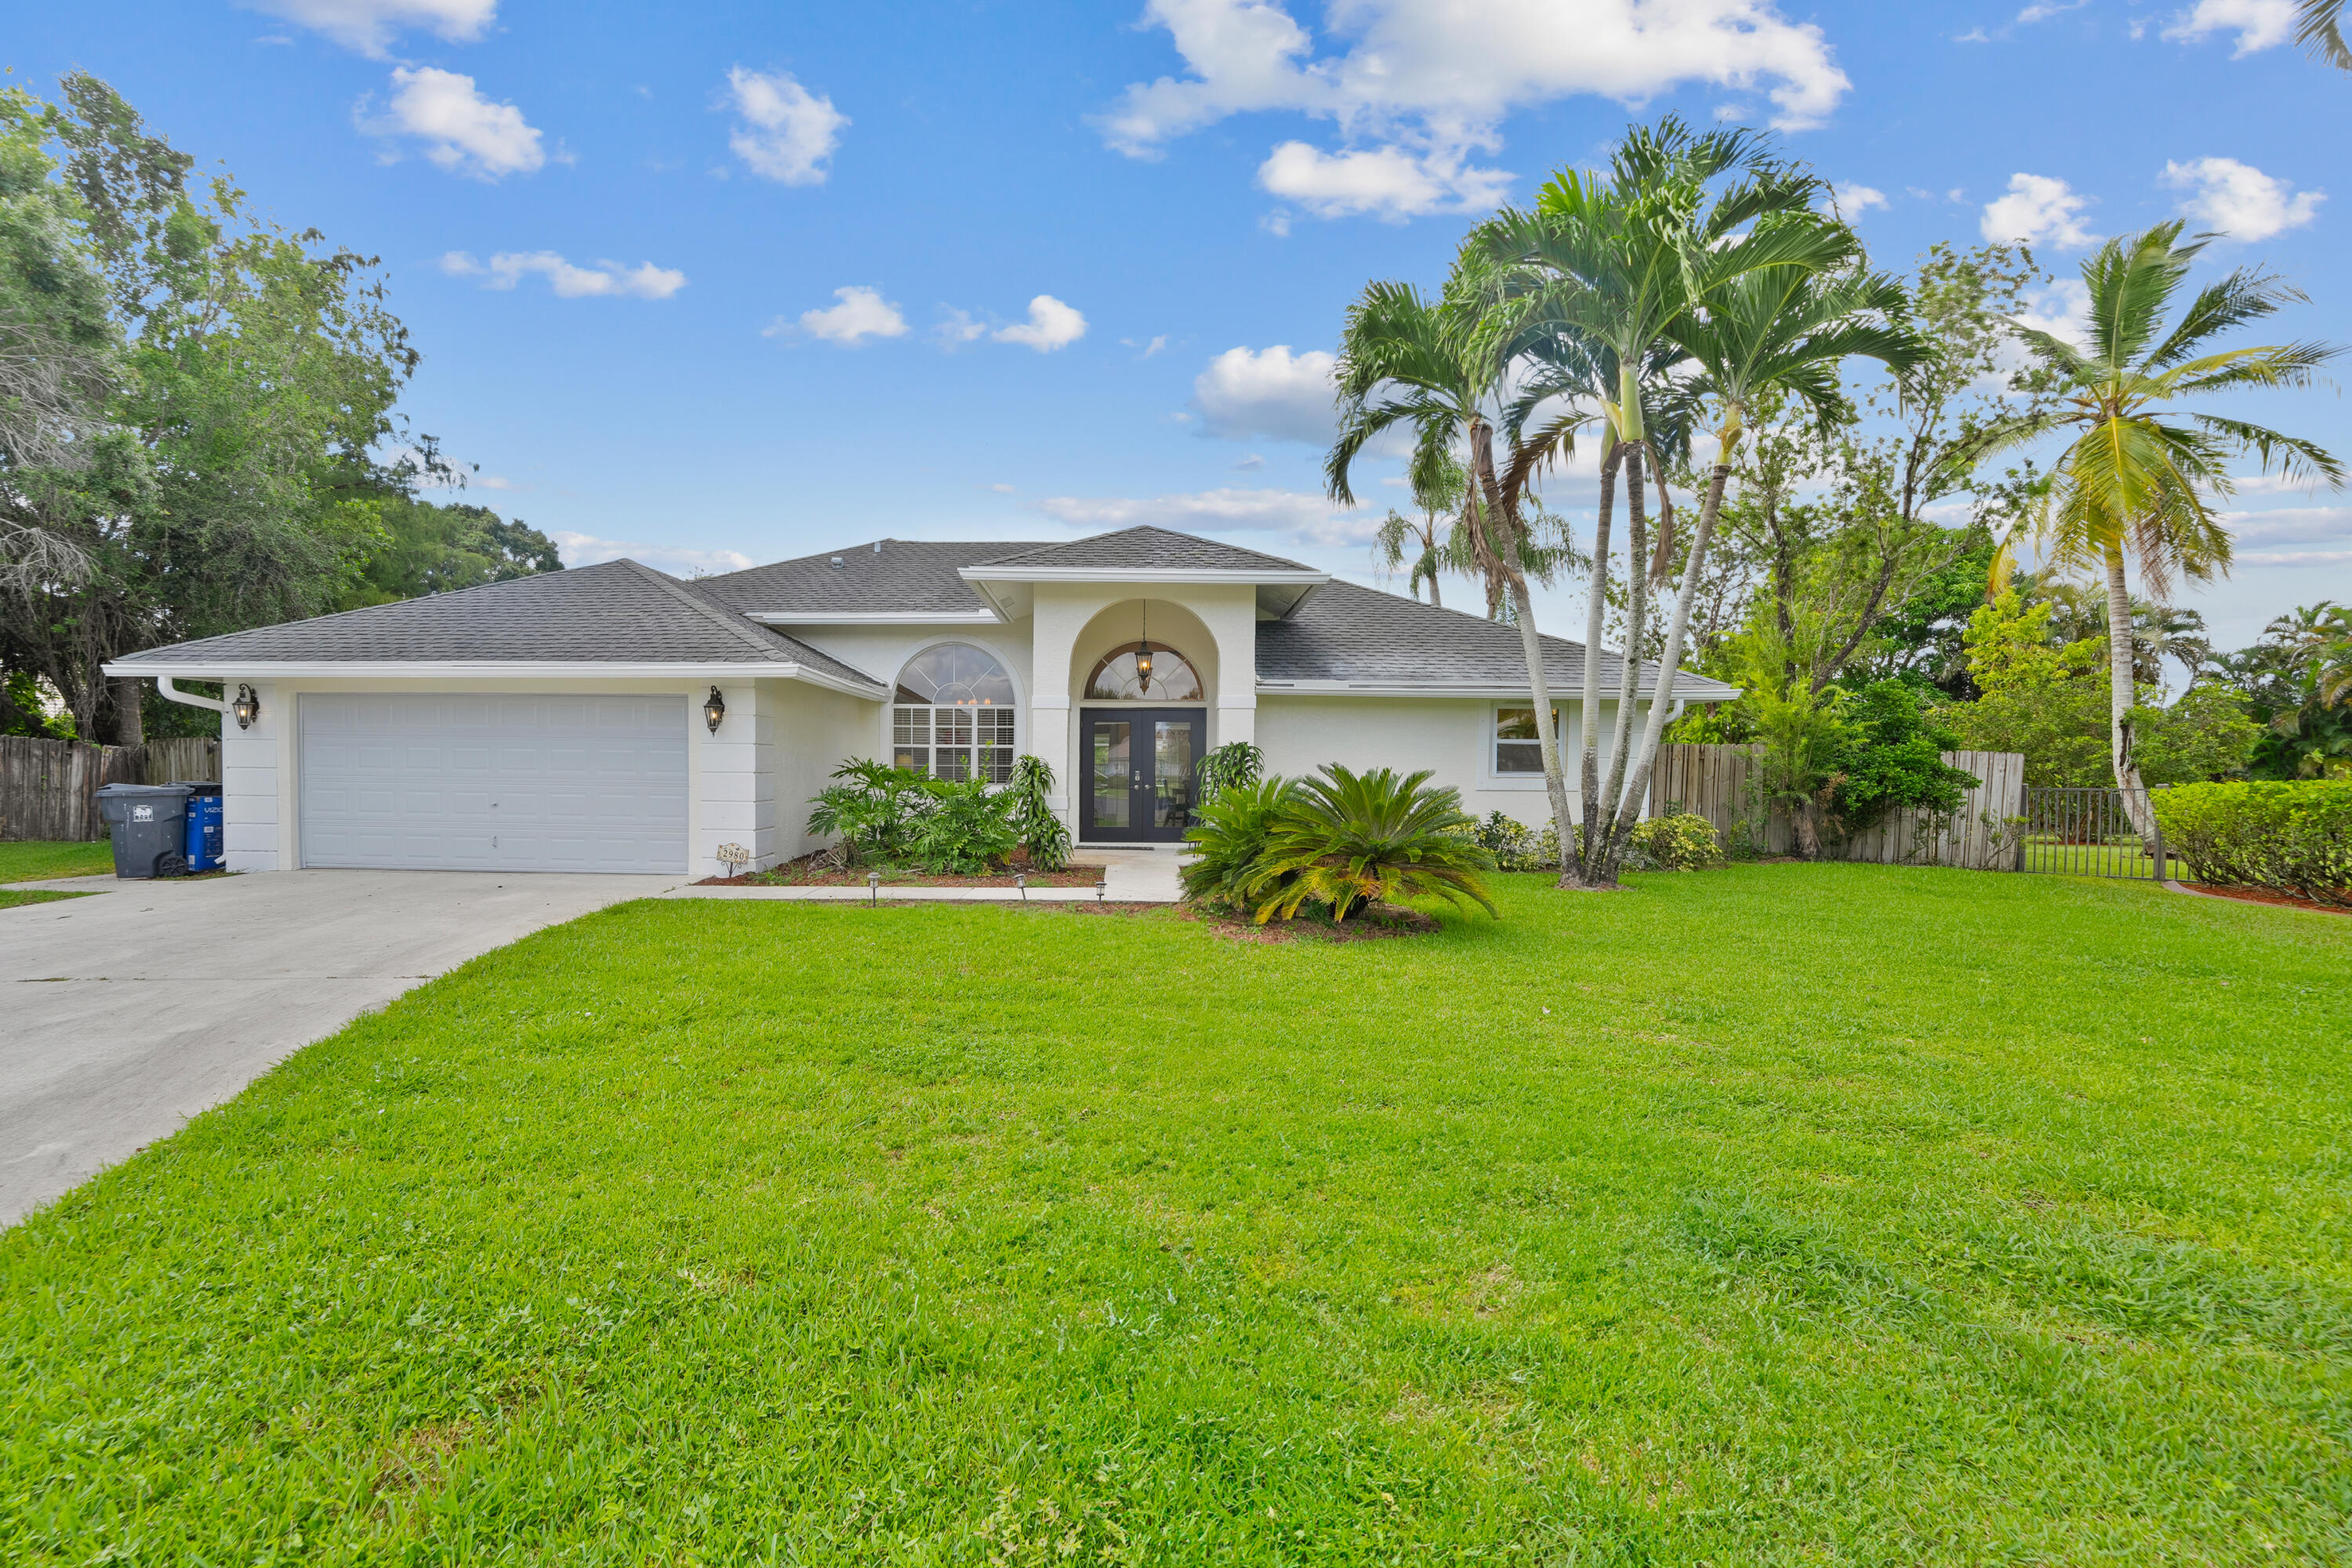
[600, 280]
[958, 328]
[1388, 183]
[2042, 10]
[463, 131]
[587, 550]
[1853, 200]
[1310, 517]
[1001, 489]
[1248, 393]
[1418, 85]
[2038, 210]
[862, 313]
[499, 482]
[788, 132]
[2259, 24]
[368, 26]
[2289, 525]
[2061, 308]
[1051, 325]
[2239, 199]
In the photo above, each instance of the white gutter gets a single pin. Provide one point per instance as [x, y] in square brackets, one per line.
[1133, 574]
[487, 670]
[1496, 693]
[164, 684]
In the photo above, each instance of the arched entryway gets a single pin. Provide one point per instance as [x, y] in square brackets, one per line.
[1143, 727]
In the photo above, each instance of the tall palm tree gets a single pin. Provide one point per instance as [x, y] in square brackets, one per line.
[1607, 260]
[1434, 542]
[2135, 483]
[2319, 27]
[1441, 367]
[1777, 330]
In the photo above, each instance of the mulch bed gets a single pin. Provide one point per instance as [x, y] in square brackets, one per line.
[1373, 923]
[2263, 896]
[805, 872]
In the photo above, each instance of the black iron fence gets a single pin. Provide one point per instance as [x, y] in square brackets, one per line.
[2103, 832]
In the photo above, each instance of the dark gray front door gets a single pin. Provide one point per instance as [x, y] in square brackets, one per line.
[1138, 765]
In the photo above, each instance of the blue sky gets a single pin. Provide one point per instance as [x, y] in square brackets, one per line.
[719, 283]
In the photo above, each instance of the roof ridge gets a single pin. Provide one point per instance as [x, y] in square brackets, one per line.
[696, 601]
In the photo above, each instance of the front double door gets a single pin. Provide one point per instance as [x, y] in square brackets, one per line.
[1140, 763]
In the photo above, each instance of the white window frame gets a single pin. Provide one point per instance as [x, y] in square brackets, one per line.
[1494, 742]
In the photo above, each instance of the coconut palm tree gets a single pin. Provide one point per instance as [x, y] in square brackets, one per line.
[2319, 27]
[1606, 260]
[2137, 481]
[1439, 366]
[1777, 331]
[1434, 542]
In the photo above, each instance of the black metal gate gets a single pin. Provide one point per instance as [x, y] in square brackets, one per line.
[2090, 833]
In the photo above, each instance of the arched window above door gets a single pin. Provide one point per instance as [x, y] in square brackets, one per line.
[954, 715]
[1120, 677]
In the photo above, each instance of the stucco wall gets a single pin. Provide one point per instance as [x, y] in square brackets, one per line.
[882, 651]
[817, 732]
[1453, 737]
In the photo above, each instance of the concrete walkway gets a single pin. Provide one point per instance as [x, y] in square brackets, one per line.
[128, 1013]
[1130, 877]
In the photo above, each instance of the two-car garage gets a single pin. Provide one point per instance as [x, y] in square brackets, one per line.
[493, 782]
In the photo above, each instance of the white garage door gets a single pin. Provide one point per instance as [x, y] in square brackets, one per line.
[432, 781]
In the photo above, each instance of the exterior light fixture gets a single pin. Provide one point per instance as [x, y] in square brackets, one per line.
[1099, 882]
[1021, 882]
[1144, 652]
[714, 709]
[873, 886]
[247, 706]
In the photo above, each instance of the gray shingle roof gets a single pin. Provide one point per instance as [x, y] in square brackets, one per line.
[903, 577]
[1143, 549]
[1361, 637]
[618, 612]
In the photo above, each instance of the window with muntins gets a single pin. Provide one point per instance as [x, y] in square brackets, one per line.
[1122, 676]
[954, 715]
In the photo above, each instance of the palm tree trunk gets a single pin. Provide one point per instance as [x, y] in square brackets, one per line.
[1588, 713]
[1600, 852]
[1671, 660]
[2122, 695]
[1501, 542]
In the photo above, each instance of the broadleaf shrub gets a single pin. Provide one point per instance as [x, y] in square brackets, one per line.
[2293, 838]
[1681, 841]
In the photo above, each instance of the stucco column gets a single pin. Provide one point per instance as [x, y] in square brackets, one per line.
[1230, 615]
[1060, 615]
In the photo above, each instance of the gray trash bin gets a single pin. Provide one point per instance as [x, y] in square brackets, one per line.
[149, 826]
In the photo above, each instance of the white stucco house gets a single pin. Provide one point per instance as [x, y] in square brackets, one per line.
[611, 717]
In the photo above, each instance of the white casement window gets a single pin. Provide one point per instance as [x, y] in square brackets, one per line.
[954, 717]
[1516, 750]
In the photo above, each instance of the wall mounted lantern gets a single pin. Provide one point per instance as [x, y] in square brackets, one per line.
[714, 709]
[247, 706]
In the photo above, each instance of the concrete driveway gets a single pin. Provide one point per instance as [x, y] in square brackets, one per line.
[128, 1013]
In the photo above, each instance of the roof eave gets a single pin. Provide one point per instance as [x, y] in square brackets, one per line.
[983, 617]
[489, 669]
[1136, 574]
[1487, 690]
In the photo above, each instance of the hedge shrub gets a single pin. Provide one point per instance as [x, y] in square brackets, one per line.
[2294, 837]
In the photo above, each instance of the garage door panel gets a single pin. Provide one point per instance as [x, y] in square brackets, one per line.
[515, 783]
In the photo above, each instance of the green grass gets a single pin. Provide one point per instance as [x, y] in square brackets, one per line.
[1785, 1214]
[39, 860]
[10, 898]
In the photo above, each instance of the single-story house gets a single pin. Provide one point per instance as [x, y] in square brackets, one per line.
[612, 718]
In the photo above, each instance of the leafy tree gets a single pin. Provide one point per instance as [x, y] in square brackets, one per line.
[2042, 699]
[428, 547]
[2138, 476]
[1890, 759]
[190, 451]
[2204, 736]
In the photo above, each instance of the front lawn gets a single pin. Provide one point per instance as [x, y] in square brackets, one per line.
[1791, 1213]
[38, 860]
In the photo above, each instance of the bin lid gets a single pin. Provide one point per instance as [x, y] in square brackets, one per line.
[195, 786]
[117, 791]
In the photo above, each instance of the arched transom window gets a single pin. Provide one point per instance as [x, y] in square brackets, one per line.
[1124, 676]
[953, 715]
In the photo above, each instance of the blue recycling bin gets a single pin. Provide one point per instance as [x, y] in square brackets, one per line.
[205, 803]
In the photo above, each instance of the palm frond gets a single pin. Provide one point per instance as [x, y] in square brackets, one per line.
[2319, 27]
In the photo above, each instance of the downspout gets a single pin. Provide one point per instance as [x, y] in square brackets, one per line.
[164, 684]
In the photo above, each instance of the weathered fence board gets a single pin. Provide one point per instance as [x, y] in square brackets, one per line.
[48, 789]
[1982, 835]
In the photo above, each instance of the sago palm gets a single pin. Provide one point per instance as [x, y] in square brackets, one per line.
[2135, 483]
[1347, 839]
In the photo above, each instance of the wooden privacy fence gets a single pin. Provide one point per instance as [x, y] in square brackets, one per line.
[1983, 835]
[48, 789]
